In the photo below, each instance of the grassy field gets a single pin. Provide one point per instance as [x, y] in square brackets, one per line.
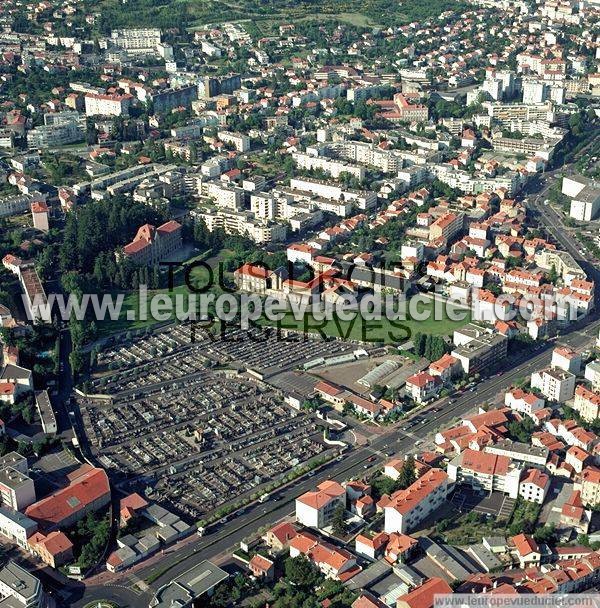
[376, 330]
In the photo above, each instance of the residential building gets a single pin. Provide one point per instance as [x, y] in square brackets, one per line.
[53, 549]
[481, 353]
[587, 403]
[315, 509]
[424, 595]
[485, 471]
[99, 104]
[405, 509]
[16, 527]
[20, 588]
[555, 384]
[534, 486]
[422, 387]
[590, 486]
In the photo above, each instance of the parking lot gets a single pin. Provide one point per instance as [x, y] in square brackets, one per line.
[495, 504]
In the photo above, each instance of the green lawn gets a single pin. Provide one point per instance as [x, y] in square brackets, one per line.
[363, 330]
[376, 330]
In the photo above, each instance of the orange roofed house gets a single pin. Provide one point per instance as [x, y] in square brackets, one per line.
[424, 595]
[53, 549]
[315, 508]
[151, 245]
[87, 491]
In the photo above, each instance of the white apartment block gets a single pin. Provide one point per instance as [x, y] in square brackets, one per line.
[315, 508]
[555, 384]
[20, 588]
[534, 486]
[16, 526]
[485, 471]
[240, 222]
[17, 490]
[334, 167]
[240, 142]
[363, 199]
[136, 40]
[406, 509]
[107, 105]
[585, 197]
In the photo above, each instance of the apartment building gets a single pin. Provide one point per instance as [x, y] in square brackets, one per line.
[168, 99]
[406, 509]
[48, 136]
[567, 359]
[35, 300]
[241, 222]
[423, 386]
[585, 197]
[39, 214]
[17, 490]
[555, 384]
[152, 245]
[534, 486]
[20, 588]
[522, 401]
[362, 199]
[334, 167]
[16, 527]
[485, 471]
[315, 508]
[446, 226]
[100, 104]
[14, 205]
[141, 40]
[54, 548]
[590, 486]
[481, 353]
[587, 403]
[530, 455]
[239, 141]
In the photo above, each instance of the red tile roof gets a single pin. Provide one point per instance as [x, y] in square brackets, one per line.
[86, 488]
[423, 596]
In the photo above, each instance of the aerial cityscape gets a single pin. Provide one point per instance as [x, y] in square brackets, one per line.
[297, 303]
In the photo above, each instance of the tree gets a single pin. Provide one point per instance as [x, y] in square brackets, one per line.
[407, 474]
[338, 523]
[301, 572]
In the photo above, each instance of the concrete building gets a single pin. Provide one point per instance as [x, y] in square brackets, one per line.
[521, 452]
[485, 471]
[16, 527]
[587, 403]
[20, 588]
[315, 508]
[555, 384]
[406, 509]
[534, 486]
[482, 352]
[585, 197]
[189, 586]
[99, 104]
[39, 214]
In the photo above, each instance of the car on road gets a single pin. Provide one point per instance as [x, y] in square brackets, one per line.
[370, 458]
